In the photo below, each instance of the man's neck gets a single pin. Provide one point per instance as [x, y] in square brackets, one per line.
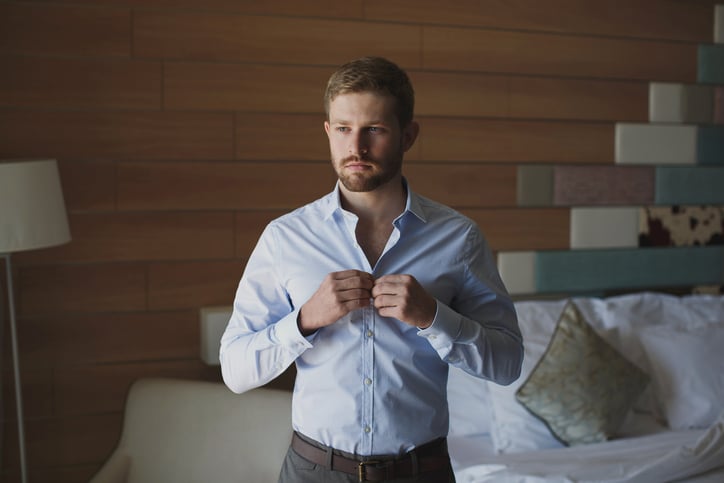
[381, 205]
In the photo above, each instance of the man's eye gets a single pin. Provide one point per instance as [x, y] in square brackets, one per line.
[342, 129]
[374, 129]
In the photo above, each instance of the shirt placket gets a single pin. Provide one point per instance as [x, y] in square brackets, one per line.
[368, 382]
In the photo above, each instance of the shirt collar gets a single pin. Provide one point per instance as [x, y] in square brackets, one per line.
[333, 203]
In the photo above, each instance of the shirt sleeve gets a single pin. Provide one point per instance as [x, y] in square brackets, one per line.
[478, 332]
[262, 338]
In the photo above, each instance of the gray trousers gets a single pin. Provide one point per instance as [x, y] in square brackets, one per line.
[296, 469]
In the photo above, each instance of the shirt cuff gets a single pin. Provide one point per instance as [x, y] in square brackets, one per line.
[444, 328]
[287, 333]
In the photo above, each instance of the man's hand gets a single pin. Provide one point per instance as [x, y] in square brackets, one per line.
[339, 294]
[402, 297]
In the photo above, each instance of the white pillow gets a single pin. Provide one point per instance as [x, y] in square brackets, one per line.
[687, 368]
[469, 404]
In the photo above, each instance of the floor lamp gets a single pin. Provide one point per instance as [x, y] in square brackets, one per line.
[32, 216]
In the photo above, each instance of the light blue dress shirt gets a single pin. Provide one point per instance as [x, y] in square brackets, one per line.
[369, 384]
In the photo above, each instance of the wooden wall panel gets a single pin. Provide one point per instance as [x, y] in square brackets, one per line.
[37, 386]
[88, 186]
[523, 229]
[49, 290]
[309, 8]
[221, 186]
[687, 21]
[116, 134]
[244, 87]
[583, 99]
[64, 30]
[113, 337]
[557, 55]
[460, 94]
[213, 283]
[515, 141]
[464, 185]
[286, 137]
[49, 83]
[221, 37]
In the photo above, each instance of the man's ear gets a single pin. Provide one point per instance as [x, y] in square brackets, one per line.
[326, 127]
[409, 135]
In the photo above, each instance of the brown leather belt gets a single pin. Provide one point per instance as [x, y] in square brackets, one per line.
[430, 457]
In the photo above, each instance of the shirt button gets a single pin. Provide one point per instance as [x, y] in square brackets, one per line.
[368, 381]
[370, 333]
[432, 337]
[368, 429]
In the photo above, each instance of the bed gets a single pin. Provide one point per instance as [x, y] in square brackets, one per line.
[626, 388]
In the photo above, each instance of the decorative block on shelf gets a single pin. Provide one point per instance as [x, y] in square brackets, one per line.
[680, 103]
[684, 185]
[719, 105]
[604, 227]
[534, 185]
[655, 144]
[719, 24]
[579, 271]
[710, 64]
[681, 226]
[603, 185]
[710, 144]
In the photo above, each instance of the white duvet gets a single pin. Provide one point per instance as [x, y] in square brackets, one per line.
[694, 456]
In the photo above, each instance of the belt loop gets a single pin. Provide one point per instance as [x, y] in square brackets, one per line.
[414, 463]
[328, 462]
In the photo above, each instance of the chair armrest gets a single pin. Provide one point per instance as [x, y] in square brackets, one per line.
[114, 470]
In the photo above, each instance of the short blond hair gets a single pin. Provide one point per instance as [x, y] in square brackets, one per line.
[373, 74]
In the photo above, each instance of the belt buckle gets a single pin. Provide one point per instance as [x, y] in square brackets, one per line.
[361, 471]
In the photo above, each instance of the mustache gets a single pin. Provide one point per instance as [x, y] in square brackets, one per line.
[354, 157]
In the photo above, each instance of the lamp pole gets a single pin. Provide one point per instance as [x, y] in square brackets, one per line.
[16, 369]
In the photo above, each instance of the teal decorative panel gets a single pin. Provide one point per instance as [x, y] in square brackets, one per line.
[642, 268]
[719, 105]
[710, 144]
[711, 64]
[689, 185]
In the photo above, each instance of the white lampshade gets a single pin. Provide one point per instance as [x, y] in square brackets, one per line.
[32, 209]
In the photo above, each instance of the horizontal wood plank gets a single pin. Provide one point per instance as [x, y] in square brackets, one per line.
[88, 186]
[463, 185]
[557, 55]
[116, 134]
[578, 99]
[656, 19]
[223, 37]
[64, 340]
[115, 237]
[258, 137]
[212, 283]
[523, 229]
[30, 28]
[515, 141]
[44, 290]
[49, 83]
[245, 87]
[221, 186]
[308, 8]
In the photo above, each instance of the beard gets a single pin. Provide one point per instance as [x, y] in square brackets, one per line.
[360, 182]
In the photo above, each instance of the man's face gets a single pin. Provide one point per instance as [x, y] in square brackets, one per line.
[365, 140]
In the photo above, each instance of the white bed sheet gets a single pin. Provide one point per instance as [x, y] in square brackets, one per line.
[692, 456]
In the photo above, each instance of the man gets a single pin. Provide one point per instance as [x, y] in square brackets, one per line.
[372, 291]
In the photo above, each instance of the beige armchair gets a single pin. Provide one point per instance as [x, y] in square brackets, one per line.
[185, 431]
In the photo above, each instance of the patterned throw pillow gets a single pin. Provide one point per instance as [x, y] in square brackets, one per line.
[582, 388]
